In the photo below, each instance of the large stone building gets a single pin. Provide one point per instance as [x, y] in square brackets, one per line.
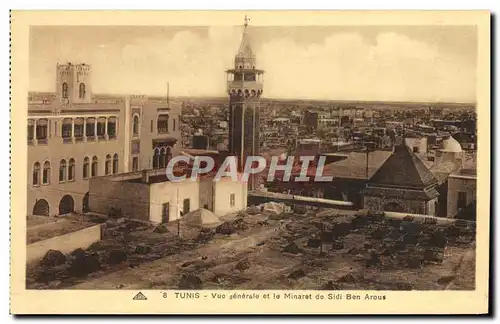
[244, 86]
[75, 135]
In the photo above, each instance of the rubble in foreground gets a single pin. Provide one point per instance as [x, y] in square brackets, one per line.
[321, 249]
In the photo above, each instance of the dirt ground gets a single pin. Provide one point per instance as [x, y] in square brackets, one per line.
[294, 251]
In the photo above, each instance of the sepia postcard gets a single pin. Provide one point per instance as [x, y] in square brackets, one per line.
[250, 162]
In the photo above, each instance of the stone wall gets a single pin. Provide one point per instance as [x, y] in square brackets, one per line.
[66, 243]
[132, 198]
[375, 203]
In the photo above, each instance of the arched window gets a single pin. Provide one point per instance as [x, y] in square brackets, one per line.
[67, 129]
[82, 91]
[169, 154]
[101, 127]
[156, 159]
[135, 126]
[31, 130]
[163, 158]
[62, 170]
[90, 128]
[42, 130]
[64, 90]
[78, 128]
[46, 173]
[86, 163]
[115, 163]
[111, 127]
[36, 174]
[94, 166]
[107, 165]
[71, 170]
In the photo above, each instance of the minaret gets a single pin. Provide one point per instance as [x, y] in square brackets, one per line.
[244, 87]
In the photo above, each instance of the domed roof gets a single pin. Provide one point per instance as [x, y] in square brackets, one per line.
[450, 144]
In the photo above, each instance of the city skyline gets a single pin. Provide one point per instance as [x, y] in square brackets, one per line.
[422, 63]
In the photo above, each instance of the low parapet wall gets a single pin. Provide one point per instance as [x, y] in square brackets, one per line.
[65, 243]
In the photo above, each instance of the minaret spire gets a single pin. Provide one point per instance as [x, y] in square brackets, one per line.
[245, 50]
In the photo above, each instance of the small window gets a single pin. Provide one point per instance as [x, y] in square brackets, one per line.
[107, 166]
[46, 173]
[62, 171]
[36, 174]
[186, 206]
[135, 126]
[82, 91]
[86, 165]
[416, 149]
[151, 126]
[64, 90]
[115, 163]
[94, 171]
[71, 170]
[232, 200]
[135, 163]
[173, 124]
[156, 159]
[462, 200]
[169, 154]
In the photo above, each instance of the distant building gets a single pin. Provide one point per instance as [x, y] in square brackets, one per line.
[467, 141]
[418, 145]
[74, 135]
[201, 142]
[311, 120]
[308, 147]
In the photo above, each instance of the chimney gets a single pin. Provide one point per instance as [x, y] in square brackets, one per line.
[145, 176]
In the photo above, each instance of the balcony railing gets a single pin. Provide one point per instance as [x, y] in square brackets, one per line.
[67, 140]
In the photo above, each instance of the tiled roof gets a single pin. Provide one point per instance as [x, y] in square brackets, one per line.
[354, 165]
[403, 169]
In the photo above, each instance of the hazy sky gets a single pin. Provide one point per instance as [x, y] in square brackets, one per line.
[407, 63]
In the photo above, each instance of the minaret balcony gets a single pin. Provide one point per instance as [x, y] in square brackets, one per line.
[242, 85]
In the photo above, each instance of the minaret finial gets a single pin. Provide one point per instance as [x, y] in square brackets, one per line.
[246, 20]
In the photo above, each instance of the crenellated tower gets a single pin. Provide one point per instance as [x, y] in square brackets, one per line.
[244, 87]
[74, 83]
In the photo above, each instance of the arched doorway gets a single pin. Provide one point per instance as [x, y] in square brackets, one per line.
[85, 205]
[66, 205]
[41, 208]
[394, 207]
